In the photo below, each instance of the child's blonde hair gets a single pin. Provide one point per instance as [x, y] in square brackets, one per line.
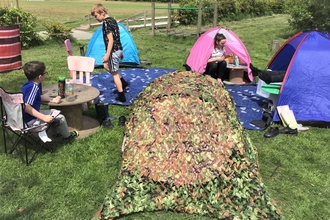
[98, 8]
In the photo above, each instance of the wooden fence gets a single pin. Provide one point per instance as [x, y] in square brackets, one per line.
[141, 17]
[140, 20]
[134, 22]
[199, 18]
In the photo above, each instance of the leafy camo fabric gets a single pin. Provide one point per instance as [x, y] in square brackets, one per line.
[186, 151]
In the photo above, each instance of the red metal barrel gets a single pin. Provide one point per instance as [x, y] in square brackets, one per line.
[10, 48]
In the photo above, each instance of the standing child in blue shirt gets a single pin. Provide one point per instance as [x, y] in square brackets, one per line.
[35, 72]
[113, 47]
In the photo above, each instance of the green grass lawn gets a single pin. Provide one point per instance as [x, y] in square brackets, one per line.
[72, 12]
[72, 182]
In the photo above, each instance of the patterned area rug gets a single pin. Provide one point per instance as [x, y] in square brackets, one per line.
[138, 79]
[248, 104]
[186, 151]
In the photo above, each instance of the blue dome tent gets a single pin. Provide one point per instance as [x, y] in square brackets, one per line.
[96, 49]
[305, 88]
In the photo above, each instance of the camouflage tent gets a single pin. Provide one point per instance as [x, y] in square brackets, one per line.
[186, 151]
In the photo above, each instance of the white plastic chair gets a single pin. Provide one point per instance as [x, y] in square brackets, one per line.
[81, 65]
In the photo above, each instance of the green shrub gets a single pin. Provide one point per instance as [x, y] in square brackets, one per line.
[310, 15]
[26, 21]
[229, 10]
[186, 17]
[279, 6]
[57, 31]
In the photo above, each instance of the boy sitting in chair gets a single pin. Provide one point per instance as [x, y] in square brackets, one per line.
[35, 72]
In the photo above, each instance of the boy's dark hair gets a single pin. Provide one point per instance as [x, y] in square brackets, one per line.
[33, 69]
[218, 37]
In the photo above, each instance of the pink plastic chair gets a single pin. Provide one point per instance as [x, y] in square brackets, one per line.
[68, 48]
[81, 65]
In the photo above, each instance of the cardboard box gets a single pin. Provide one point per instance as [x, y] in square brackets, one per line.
[236, 76]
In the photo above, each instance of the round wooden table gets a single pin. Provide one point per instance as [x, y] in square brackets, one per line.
[72, 109]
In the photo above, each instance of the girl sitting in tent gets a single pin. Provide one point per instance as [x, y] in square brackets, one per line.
[216, 64]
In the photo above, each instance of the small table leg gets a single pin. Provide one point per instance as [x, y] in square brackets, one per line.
[73, 115]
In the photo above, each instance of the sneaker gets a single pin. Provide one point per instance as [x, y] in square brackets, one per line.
[72, 135]
[288, 130]
[107, 124]
[121, 121]
[272, 132]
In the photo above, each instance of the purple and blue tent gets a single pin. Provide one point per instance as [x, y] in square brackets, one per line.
[202, 49]
[306, 59]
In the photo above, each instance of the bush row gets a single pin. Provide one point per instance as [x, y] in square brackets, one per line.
[229, 10]
[310, 15]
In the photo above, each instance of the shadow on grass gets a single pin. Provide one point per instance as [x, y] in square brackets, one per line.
[22, 212]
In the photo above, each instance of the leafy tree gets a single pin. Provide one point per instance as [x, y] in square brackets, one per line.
[308, 15]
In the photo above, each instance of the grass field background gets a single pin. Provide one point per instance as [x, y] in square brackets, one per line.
[72, 13]
[72, 182]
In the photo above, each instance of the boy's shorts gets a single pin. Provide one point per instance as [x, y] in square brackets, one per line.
[114, 60]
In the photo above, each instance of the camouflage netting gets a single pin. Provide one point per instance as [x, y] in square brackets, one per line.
[187, 152]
